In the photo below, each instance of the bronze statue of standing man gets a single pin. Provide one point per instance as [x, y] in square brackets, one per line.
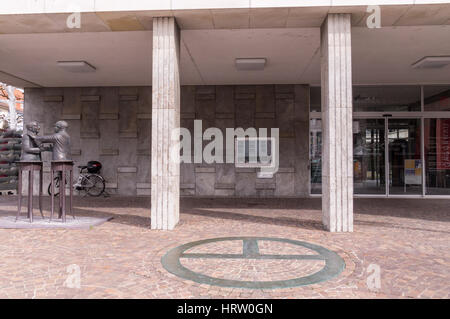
[60, 142]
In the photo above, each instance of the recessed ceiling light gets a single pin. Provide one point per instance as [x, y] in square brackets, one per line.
[250, 64]
[432, 62]
[76, 66]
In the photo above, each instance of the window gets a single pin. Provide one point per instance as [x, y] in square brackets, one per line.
[315, 99]
[315, 156]
[395, 98]
[437, 156]
[254, 151]
[436, 98]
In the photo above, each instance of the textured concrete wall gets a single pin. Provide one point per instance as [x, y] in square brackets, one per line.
[113, 125]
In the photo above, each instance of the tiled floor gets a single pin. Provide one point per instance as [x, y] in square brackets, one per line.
[408, 240]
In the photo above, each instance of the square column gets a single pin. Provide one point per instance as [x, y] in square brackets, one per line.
[165, 120]
[337, 144]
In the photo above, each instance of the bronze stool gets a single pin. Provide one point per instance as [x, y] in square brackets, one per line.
[62, 167]
[31, 167]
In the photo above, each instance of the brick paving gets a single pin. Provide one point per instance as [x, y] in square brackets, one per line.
[408, 239]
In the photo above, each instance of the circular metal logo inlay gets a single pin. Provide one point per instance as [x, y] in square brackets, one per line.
[253, 262]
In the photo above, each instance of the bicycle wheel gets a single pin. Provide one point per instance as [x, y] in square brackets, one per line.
[94, 185]
[56, 182]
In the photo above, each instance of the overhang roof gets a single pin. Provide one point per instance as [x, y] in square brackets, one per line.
[50, 16]
[286, 32]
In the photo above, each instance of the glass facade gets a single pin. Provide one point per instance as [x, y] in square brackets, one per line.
[398, 98]
[368, 156]
[386, 98]
[315, 155]
[437, 156]
[315, 99]
[436, 98]
[405, 160]
[393, 155]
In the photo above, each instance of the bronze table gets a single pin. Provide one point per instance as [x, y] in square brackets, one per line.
[31, 167]
[62, 167]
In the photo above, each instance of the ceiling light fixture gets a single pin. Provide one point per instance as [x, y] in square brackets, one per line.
[76, 66]
[432, 62]
[250, 64]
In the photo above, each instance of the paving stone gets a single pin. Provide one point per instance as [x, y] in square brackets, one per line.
[407, 239]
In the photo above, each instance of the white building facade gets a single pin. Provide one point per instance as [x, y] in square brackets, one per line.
[359, 92]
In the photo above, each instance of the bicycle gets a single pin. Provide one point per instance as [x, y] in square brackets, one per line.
[91, 181]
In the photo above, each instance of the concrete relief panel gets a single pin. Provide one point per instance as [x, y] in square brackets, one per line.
[144, 136]
[127, 152]
[245, 113]
[75, 138]
[225, 176]
[126, 184]
[284, 90]
[205, 105]
[265, 123]
[225, 99]
[204, 183]
[265, 98]
[90, 150]
[72, 103]
[205, 92]
[301, 106]
[109, 102]
[143, 169]
[301, 127]
[265, 187]
[144, 100]
[53, 105]
[301, 159]
[265, 193]
[285, 116]
[189, 125]
[245, 105]
[187, 99]
[224, 123]
[187, 174]
[244, 92]
[90, 118]
[128, 119]
[109, 147]
[34, 106]
[128, 109]
[284, 184]
[245, 184]
[187, 179]
[287, 152]
[109, 137]
[109, 169]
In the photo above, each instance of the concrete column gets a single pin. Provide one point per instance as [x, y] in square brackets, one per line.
[337, 151]
[165, 118]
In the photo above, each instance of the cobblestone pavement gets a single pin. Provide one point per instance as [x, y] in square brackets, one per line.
[408, 239]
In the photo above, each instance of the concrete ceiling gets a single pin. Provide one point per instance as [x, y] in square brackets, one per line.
[238, 18]
[207, 56]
